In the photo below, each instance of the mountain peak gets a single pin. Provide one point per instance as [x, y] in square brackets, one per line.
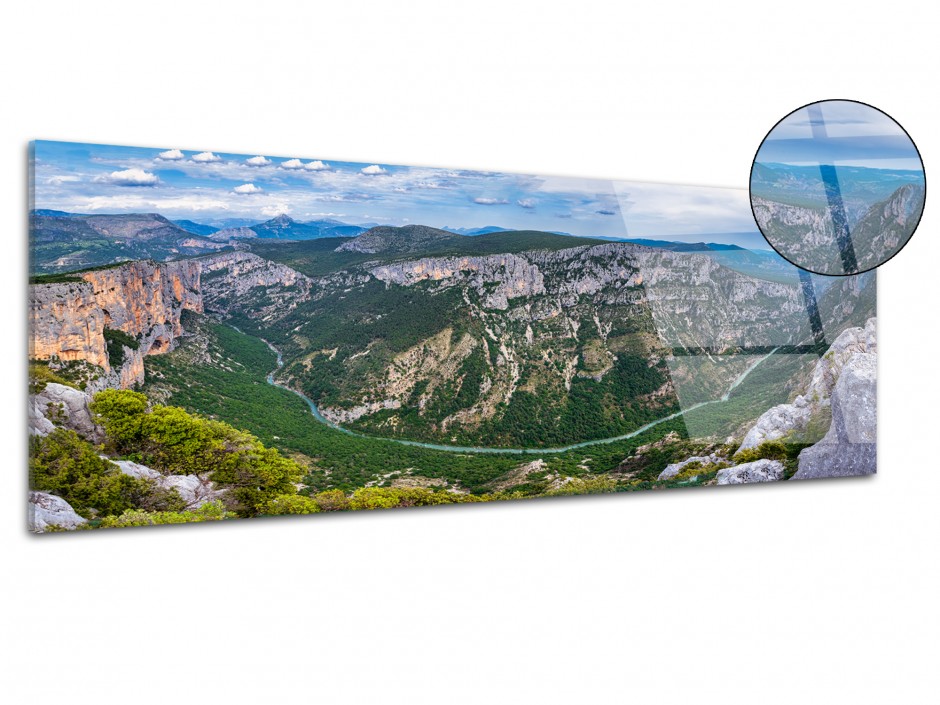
[391, 239]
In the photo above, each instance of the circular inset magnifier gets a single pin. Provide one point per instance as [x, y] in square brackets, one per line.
[837, 187]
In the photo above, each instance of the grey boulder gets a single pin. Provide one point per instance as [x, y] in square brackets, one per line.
[675, 468]
[194, 489]
[758, 471]
[58, 405]
[849, 448]
[45, 510]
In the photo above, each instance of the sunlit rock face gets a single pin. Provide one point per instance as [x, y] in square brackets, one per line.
[143, 299]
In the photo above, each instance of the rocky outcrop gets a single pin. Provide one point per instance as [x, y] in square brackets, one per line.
[45, 510]
[849, 448]
[675, 468]
[757, 471]
[887, 226]
[498, 277]
[146, 299]
[241, 279]
[67, 321]
[778, 422]
[194, 490]
[227, 234]
[202, 244]
[695, 300]
[784, 419]
[341, 416]
[807, 234]
[58, 405]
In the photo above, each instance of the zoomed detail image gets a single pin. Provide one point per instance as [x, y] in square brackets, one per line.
[837, 187]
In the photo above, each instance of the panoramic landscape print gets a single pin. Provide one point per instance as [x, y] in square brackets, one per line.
[215, 336]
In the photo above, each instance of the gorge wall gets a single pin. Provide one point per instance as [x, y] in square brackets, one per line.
[143, 299]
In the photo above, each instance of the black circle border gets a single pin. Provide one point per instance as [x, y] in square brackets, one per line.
[750, 179]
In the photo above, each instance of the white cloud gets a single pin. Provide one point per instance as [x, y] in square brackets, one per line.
[292, 164]
[206, 158]
[138, 203]
[276, 209]
[373, 170]
[649, 208]
[527, 202]
[247, 189]
[170, 155]
[129, 177]
[490, 201]
[60, 179]
[258, 161]
[317, 165]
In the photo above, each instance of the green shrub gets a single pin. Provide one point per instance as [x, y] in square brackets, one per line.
[703, 472]
[770, 450]
[388, 497]
[120, 412]
[176, 442]
[210, 511]
[116, 340]
[586, 485]
[292, 504]
[40, 375]
[331, 500]
[64, 464]
[374, 498]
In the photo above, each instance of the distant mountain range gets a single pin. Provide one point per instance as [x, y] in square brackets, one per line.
[485, 230]
[400, 240]
[282, 227]
[682, 246]
[196, 228]
[802, 186]
[64, 241]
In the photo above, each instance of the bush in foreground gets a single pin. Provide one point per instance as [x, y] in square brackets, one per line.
[210, 511]
[174, 441]
[64, 464]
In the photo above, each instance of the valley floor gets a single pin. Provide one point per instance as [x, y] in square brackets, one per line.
[223, 373]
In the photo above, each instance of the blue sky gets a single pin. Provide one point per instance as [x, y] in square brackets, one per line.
[208, 186]
[841, 133]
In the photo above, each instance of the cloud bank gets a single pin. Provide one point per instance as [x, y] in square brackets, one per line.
[170, 155]
[129, 177]
[206, 158]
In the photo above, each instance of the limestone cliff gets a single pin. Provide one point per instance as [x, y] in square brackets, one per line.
[232, 280]
[67, 321]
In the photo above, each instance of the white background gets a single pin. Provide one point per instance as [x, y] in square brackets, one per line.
[813, 592]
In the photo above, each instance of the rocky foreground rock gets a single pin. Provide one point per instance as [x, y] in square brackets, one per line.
[194, 490]
[844, 379]
[58, 405]
[757, 471]
[784, 419]
[45, 510]
[849, 448]
[675, 468]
